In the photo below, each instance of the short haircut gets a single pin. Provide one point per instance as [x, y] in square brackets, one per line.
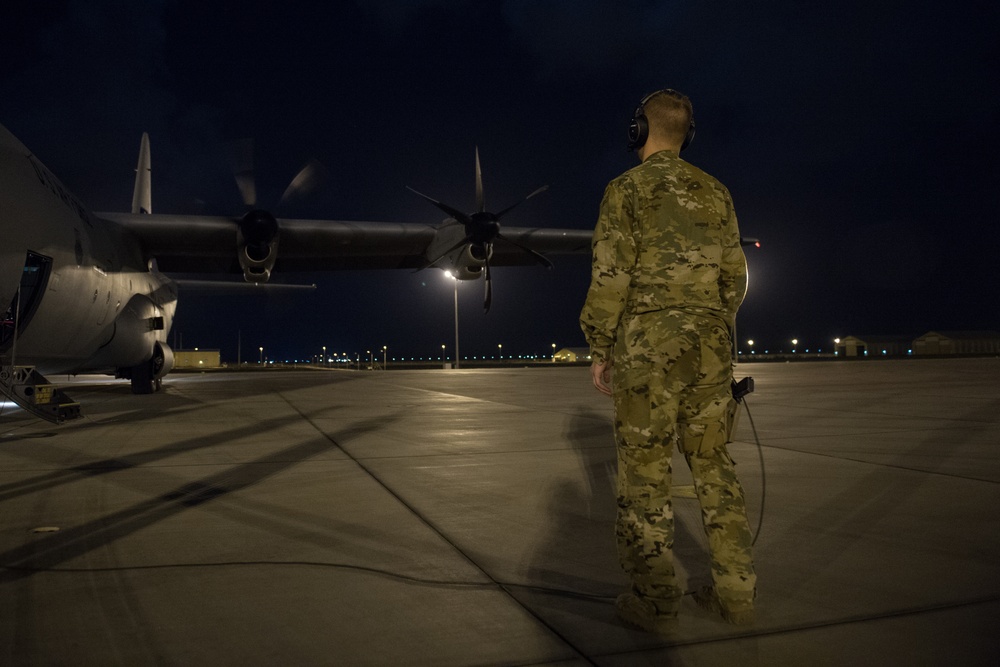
[669, 114]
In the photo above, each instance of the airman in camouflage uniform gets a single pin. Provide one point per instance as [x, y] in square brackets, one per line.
[668, 277]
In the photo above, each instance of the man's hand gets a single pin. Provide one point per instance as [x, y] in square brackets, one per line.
[601, 373]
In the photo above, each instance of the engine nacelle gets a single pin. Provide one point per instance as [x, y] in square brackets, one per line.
[467, 262]
[257, 245]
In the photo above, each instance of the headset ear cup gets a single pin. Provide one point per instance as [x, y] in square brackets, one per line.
[689, 137]
[638, 127]
[638, 131]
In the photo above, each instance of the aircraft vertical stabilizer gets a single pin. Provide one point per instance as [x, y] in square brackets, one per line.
[142, 198]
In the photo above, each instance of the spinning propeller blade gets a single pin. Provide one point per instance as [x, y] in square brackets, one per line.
[241, 158]
[482, 228]
[306, 181]
[453, 212]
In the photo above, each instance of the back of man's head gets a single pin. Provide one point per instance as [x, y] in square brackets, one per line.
[669, 114]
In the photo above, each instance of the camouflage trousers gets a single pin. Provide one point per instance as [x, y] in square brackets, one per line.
[672, 375]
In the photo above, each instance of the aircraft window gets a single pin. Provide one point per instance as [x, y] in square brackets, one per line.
[34, 279]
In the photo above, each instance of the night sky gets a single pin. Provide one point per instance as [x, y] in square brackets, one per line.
[859, 139]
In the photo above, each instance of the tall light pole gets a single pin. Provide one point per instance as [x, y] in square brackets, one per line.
[384, 367]
[553, 352]
[324, 356]
[450, 275]
[262, 356]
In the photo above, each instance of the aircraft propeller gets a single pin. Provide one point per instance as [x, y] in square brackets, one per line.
[306, 181]
[258, 226]
[482, 229]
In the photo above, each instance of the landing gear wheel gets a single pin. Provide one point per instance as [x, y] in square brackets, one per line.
[142, 379]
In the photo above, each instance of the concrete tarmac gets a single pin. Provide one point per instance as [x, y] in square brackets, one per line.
[466, 517]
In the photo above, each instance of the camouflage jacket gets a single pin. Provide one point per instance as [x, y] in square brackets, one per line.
[666, 239]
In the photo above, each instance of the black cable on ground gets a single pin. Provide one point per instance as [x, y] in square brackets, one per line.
[763, 476]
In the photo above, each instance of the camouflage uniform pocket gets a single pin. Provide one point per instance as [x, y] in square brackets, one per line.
[633, 405]
[716, 356]
[707, 412]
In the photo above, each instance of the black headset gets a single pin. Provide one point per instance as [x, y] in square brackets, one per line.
[638, 127]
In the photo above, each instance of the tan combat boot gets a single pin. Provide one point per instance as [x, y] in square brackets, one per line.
[708, 599]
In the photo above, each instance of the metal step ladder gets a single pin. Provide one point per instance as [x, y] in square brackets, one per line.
[30, 390]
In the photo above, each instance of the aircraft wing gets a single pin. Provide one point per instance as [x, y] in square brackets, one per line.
[208, 244]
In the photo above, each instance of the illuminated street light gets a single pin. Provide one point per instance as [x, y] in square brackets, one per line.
[455, 279]
[500, 347]
[383, 358]
[262, 356]
[553, 352]
[324, 355]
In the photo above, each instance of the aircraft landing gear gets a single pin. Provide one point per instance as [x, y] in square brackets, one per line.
[147, 377]
[142, 379]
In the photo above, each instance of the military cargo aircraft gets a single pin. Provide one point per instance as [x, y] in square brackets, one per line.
[89, 292]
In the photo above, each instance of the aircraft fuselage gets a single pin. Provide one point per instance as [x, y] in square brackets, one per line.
[76, 294]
